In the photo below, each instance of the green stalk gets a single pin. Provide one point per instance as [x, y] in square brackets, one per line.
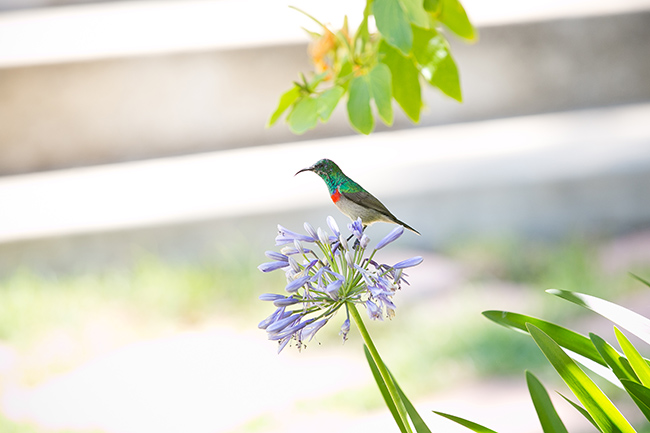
[392, 389]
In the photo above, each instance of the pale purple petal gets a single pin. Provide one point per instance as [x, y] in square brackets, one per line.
[322, 236]
[373, 310]
[274, 255]
[283, 343]
[356, 228]
[310, 229]
[297, 283]
[408, 263]
[331, 222]
[311, 329]
[286, 236]
[390, 237]
[345, 328]
[284, 302]
[271, 297]
[333, 288]
[281, 324]
[277, 314]
[271, 266]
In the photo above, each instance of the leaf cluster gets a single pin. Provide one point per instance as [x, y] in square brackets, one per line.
[566, 350]
[374, 67]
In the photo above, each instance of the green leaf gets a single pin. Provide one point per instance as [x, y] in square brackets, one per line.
[640, 394]
[328, 100]
[415, 12]
[379, 80]
[287, 98]
[646, 282]
[404, 79]
[346, 69]
[418, 422]
[548, 417]
[432, 52]
[633, 322]
[616, 362]
[359, 111]
[564, 337]
[582, 411]
[432, 6]
[393, 24]
[304, 115]
[465, 423]
[603, 411]
[384, 390]
[453, 15]
[639, 365]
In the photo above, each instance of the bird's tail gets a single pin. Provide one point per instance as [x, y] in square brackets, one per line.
[406, 226]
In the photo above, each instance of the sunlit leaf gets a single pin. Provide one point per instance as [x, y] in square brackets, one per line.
[564, 337]
[359, 111]
[287, 98]
[633, 322]
[603, 411]
[638, 364]
[379, 79]
[465, 423]
[384, 390]
[328, 100]
[304, 115]
[582, 411]
[432, 6]
[404, 79]
[640, 394]
[616, 362]
[436, 64]
[393, 24]
[548, 417]
[415, 12]
[416, 419]
[453, 16]
[346, 69]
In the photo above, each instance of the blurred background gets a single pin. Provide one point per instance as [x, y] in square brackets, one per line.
[139, 190]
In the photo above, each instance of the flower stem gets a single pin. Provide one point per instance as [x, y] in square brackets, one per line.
[390, 385]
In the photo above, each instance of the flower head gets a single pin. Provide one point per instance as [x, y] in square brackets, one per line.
[318, 285]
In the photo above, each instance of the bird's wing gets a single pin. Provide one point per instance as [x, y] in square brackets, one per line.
[363, 198]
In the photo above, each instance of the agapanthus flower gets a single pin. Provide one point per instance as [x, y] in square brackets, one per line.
[318, 285]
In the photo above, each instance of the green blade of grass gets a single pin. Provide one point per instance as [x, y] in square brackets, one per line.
[465, 423]
[582, 411]
[633, 322]
[644, 281]
[615, 360]
[564, 337]
[548, 417]
[603, 411]
[640, 394]
[639, 365]
[384, 390]
[418, 422]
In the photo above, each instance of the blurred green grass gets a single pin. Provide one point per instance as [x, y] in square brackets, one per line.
[432, 343]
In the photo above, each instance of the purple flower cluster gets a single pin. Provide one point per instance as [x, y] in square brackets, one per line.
[318, 285]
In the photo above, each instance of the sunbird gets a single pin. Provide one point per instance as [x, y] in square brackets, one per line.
[350, 197]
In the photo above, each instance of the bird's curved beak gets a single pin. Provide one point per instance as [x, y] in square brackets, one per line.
[304, 169]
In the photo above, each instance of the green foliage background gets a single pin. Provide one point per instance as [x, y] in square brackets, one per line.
[375, 68]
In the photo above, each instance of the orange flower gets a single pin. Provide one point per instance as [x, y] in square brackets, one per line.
[320, 48]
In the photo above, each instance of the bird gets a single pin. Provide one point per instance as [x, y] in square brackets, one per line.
[350, 197]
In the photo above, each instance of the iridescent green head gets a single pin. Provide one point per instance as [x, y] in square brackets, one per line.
[324, 168]
[328, 171]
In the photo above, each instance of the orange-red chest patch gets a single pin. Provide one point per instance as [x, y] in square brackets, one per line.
[336, 196]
